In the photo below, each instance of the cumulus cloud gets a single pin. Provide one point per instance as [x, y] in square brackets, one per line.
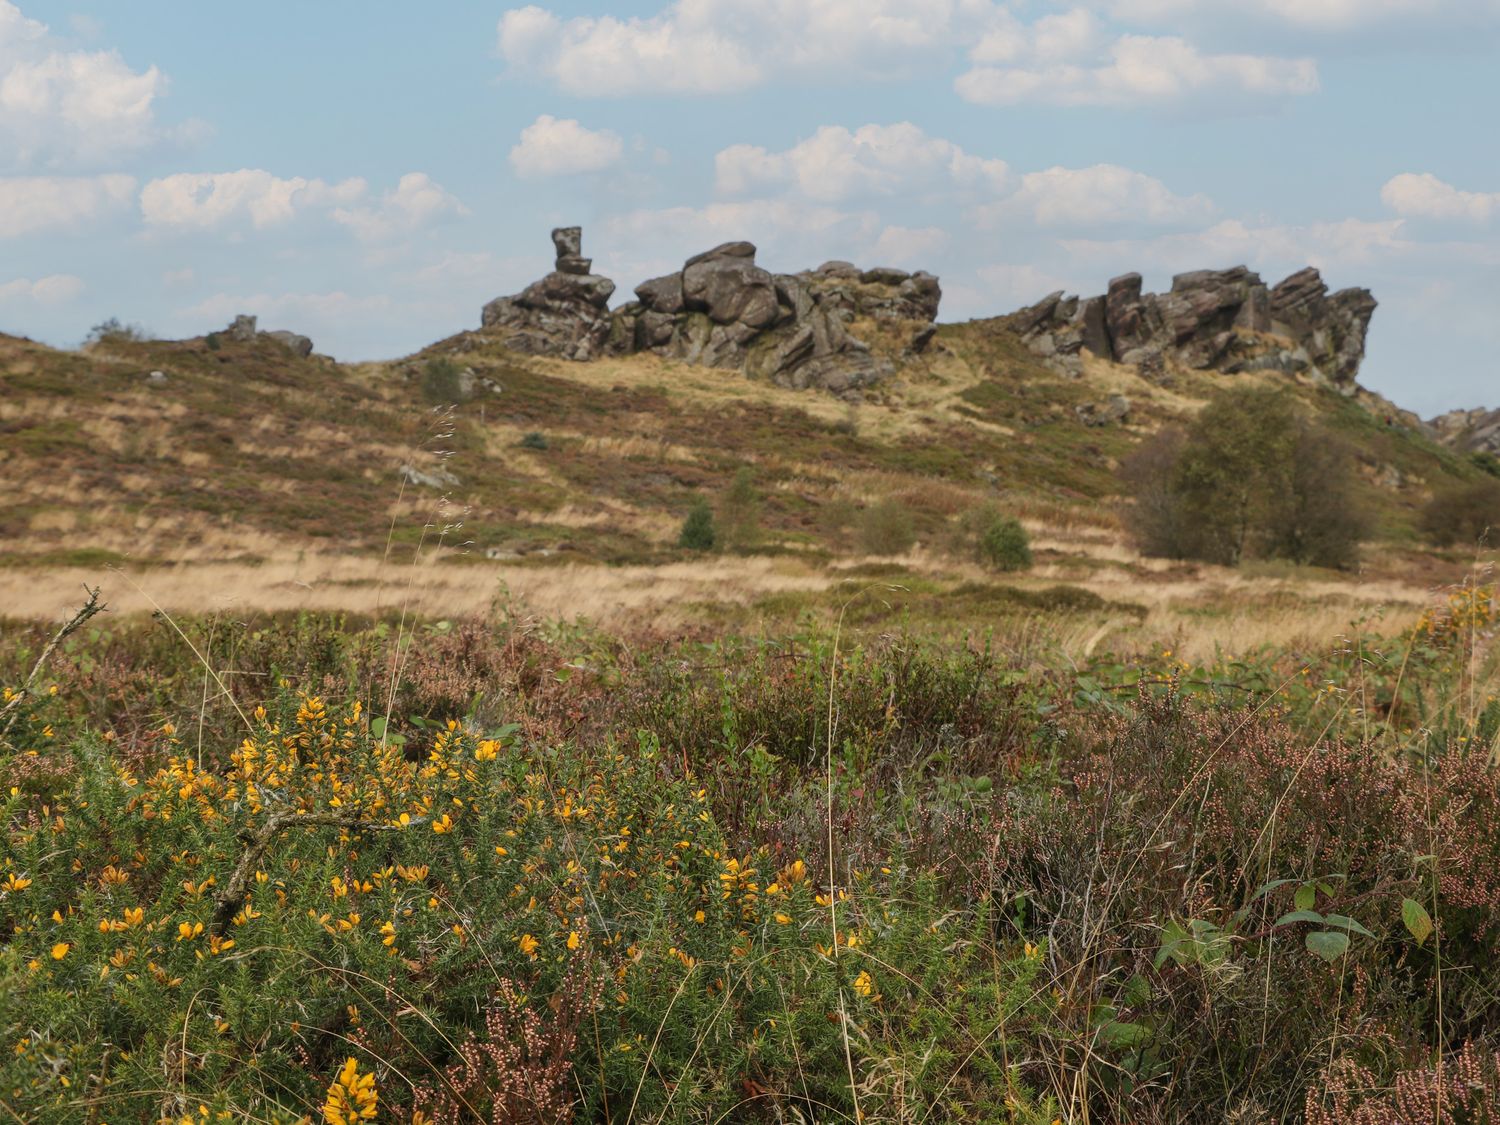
[64, 107]
[1103, 194]
[29, 204]
[720, 46]
[552, 146]
[1130, 70]
[418, 201]
[1425, 196]
[52, 290]
[201, 201]
[205, 200]
[835, 164]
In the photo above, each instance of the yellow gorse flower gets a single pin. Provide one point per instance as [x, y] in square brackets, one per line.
[352, 1097]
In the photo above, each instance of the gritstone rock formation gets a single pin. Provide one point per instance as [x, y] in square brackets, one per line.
[1228, 320]
[1472, 431]
[564, 314]
[722, 310]
[242, 330]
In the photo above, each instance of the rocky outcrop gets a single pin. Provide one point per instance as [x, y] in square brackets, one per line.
[242, 330]
[723, 310]
[1226, 320]
[1470, 431]
[564, 314]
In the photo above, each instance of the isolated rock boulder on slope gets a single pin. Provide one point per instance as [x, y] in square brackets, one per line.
[1227, 320]
[564, 314]
[242, 330]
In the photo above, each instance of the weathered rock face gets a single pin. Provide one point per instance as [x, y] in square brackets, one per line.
[242, 330]
[723, 310]
[564, 314]
[1471, 431]
[1227, 320]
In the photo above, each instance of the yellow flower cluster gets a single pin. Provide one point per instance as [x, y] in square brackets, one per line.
[352, 1097]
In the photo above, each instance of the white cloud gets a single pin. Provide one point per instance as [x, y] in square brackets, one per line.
[905, 246]
[1131, 70]
[418, 201]
[550, 146]
[205, 200]
[29, 204]
[1427, 197]
[1103, 194]
[1330, 245]
[719, 46]
[69, 107]
[1316, 15]
[51, 290]
[835, 164]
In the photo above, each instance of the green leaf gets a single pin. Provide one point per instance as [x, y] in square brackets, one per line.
[1266, 888]
[1418, 921]
[1299, 916]
[1306, 895]
[1120, 1034]
[1347, 923]
[1330, 945]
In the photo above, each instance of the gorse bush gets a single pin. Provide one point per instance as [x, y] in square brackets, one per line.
[1250, 477]
[698, 531]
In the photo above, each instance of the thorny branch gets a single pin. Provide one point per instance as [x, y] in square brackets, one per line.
[90, 607]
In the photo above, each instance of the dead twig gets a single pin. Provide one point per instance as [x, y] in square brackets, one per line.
[90, 607]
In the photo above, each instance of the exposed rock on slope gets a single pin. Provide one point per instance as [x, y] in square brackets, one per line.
[723, 310]
[1227, 320]
[564, 314]
[1472, 431]
[243, 330]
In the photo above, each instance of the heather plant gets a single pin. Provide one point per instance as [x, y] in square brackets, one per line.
[886, 528]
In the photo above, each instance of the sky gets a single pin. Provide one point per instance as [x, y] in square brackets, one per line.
[371, 173]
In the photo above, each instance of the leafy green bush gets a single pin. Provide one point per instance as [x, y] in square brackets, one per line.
[1465, 515]
[886, 528]
[443, 382]
[698, 532]
[1250, 477]
[535, 440]
[1002, 543]
[739, 512]
[114, 331]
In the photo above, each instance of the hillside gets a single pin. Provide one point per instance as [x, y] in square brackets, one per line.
[234, 462]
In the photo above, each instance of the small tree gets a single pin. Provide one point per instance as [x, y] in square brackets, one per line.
[443, 382]
[886, 528]
[739, 512]
[1249, 478]
[1003, 543]
[698, 532]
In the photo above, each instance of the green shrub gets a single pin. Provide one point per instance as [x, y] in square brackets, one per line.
[114, 331]
[1002, 543]
[739, 512]
[886, 528]
[1250, 477]
[212, 342]
[1465, 515]
[443, 382]
[535, 440]
[698, 533]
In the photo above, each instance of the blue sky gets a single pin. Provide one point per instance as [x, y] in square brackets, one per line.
[371, 173]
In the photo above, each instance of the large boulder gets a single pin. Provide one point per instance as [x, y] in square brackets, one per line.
[730, 289]
[1226, 320]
